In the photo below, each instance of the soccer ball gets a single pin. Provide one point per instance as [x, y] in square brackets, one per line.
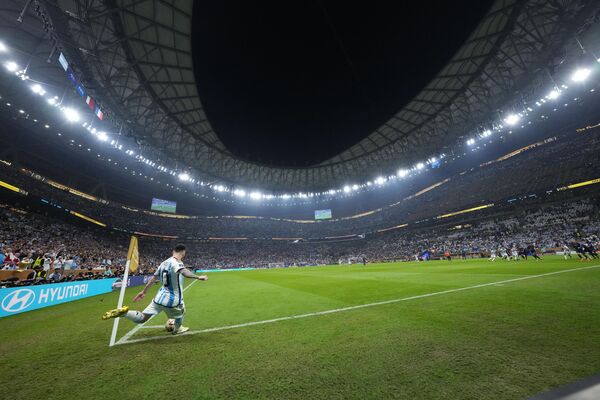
[170, 325]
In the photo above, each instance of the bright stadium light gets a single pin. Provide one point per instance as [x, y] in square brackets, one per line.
[355, 187]
[239, 193]
[331, 191]
[512, 119]
[380, 180]
[255, 195]
[52, 101]
[184, 176]
[11, 66]
[347, 189]
[102, 136]
[420, 165]
[38, 89]
[554, 93]
[70, 114]
[471, 142]
[486, 133]
[285, 196]
[581, 74]
[2, 47]
[402, 173]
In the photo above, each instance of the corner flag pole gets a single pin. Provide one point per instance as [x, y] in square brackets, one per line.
[133, 259]
[113, 335]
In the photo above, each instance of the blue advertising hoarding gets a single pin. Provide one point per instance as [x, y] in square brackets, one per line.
[27, 298]
[135, 280]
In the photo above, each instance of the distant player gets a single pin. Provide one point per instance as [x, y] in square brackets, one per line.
[566, 251]
[531, 251]
[504, 254]
[169, 298]
[590, 249]
[515, 253]
[492, 255]
[579, 249]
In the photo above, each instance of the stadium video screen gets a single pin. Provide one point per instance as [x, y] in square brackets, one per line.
[163, 205]
[323, 214]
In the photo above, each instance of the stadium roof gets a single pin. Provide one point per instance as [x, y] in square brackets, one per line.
[135, 56]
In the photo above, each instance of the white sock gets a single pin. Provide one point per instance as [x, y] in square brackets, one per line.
[135, 316]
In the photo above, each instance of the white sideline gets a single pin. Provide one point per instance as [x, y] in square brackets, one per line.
[125, 339]
[140, 326]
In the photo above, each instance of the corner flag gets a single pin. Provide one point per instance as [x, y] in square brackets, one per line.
[133, 256]
[133, 260]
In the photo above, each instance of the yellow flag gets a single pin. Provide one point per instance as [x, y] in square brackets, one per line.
[133, 255]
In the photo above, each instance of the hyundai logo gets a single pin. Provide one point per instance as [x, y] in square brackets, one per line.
[18, 300]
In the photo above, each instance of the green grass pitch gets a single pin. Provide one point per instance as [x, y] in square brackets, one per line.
[503, 341]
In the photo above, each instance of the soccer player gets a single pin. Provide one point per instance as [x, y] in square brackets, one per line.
[504, 254]
[492, 255]
[566, 251]
[580, 251]
[447, 255]
[531, 250]
[515, 253]
[169, 298]
[590, 249]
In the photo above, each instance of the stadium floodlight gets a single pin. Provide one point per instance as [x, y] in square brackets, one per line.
[46, 126]
[331, 191]
[471, 142]
[402, 173]
[38, 89]
[2, 47]
[70, 114]
[355, 187]
[52, 101]
[380, 180]
[486, 133]
[11, 66]
[255, 195]
[184, 176]
[347, 189]
[420, 165]
[581, 74]
[285, 196]
[554, 93]
[102, 136]
[239, 193]
[512, 119]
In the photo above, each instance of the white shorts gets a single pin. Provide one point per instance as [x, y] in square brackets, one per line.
[172, 312]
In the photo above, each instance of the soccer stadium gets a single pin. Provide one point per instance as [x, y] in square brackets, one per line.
[381, 200]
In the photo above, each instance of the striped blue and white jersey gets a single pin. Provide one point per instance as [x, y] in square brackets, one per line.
[170, 293]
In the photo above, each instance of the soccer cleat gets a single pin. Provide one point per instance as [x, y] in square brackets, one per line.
[117, 312]
[181, 330]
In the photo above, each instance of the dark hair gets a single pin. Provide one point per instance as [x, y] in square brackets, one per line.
[179, 248]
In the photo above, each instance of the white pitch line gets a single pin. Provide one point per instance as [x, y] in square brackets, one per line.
[337, 310]
[140, 326]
